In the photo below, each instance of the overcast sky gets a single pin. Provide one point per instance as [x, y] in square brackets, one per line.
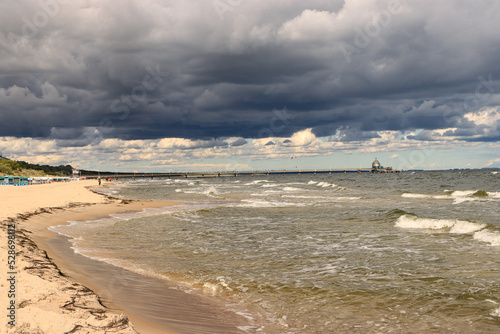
[230, 84]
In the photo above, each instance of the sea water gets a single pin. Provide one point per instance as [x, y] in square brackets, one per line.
[340, 253]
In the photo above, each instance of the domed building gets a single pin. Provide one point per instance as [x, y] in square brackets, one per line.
[376, 166]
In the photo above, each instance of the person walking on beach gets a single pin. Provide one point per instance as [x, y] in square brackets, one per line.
[99, 179]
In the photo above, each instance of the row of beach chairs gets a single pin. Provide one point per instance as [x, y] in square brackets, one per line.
[14, 181]
[25, 181]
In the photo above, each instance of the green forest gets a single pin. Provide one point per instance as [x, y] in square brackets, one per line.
[22, 168]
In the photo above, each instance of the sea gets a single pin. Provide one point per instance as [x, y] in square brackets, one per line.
[410, 252]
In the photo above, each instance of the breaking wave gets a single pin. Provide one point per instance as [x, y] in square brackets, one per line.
[458, 196]
[479, 231]
[455, 226]
[491, 237]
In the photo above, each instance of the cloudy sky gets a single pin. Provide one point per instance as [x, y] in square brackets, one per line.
[259, 84]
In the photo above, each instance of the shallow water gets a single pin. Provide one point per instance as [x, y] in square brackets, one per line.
[317, 254]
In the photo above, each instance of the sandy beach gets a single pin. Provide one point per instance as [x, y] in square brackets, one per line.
[36, 296]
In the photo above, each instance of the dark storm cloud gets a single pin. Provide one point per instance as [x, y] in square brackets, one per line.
[348, 135]
[239, 142]
[151, 69]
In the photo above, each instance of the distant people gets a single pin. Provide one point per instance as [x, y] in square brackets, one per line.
[99, 179]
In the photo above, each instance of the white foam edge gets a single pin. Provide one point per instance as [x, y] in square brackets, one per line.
[292, 189]
[458, 196]
[496, 313]
[410, 195]
[326, 185]
[491, 237]
[455, 226]
[479, 231]
[124, 264]
[267, 204]
[257, 182]
[183, 285]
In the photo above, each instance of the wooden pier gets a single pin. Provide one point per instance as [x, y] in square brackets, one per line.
[116, 176]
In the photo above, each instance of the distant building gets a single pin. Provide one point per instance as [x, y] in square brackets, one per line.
[76, 172]
[378, 168]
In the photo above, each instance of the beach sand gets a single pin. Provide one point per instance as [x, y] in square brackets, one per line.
[53, 284]
[46, 301]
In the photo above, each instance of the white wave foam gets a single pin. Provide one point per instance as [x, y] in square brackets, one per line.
[312, 182]
[347, 198]
[182, 181]
[462, 196]
[306, 197]
[142, 270]
[323, 198]
[491, 237]
[258, 194]
[412, 222]
[62, 229]
[496, 313]
[266, 204]
[326, 184]
[455, 226]
[214, 288]
[467, 196]
[465, 227]
[210, 191]
[250, 329]
[441, 197]
[256, 182]
[409, 195]
[464, 193]
[291, 189]
[463, 200]
[458, 196]
[76, 230]
[144, 212]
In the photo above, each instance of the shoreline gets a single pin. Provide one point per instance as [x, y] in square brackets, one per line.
[38, 297]
[55, 292]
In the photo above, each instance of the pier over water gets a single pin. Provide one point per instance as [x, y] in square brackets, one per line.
[242, 173]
